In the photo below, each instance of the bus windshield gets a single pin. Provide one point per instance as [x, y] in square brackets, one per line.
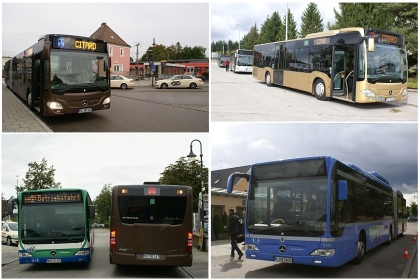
[245, 60]
[387, 62]
[291, 207]
[52, 223]
[72, 71]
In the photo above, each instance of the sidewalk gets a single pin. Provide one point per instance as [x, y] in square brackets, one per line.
[17, 117]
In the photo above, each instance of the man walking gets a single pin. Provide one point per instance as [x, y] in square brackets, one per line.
[227, 63]
[233, 230]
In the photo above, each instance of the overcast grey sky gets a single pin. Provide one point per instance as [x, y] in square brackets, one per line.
[89, 161]
[389, 149]
[187, 23]
[225, 16]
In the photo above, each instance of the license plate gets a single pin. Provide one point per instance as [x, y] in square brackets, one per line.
[84, 110]
[151, 256]
[53, 260]
[390, 99]
[283, 260]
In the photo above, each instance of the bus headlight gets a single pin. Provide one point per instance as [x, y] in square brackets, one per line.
[55, 105]
[323, 252]
[82, 253]
[405, 92]
[251, 247]
[368, 93]
[106, 102]
[25, 255]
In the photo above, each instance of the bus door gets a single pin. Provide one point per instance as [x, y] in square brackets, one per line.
[338, 72]
[36, 85]
[278, 64]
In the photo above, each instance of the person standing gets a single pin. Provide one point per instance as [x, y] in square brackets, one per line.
[227, 63]
[233, 230]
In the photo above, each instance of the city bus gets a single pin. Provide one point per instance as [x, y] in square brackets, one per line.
[329, 212]
[151, 225]
[351, 64]
[62, 74]
[241, 61]
[54, 226]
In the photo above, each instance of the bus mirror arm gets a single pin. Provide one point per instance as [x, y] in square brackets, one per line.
[342, 190]
[231, 180]
[11, 206]
[46, 51]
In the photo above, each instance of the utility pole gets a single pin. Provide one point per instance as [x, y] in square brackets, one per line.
[137, 51]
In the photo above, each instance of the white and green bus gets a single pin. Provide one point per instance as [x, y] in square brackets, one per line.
[55, 226]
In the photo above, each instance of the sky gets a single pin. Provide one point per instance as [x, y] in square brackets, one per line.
[168, 23]
[389, 149]
[225, 16]
[90, 161]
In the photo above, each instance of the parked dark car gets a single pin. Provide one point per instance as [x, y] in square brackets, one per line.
[412, 219]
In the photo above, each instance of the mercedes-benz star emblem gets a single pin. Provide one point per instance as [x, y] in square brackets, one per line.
[53, 253]
[282, 249]
[85, 103]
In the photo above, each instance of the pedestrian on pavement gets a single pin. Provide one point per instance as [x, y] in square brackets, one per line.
[233, 230]
[227, 63]
[243, 224]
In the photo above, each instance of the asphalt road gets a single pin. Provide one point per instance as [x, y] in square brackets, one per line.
[240, 97]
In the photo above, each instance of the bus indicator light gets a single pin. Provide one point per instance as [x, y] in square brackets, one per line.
[180, 191]
[190, 242]
[152, 190]
[124, 191]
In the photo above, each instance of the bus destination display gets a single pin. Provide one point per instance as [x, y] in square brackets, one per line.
[82, 44]
[51, 197]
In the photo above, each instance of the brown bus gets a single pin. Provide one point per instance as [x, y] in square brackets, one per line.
[62, 74]
[151, 224]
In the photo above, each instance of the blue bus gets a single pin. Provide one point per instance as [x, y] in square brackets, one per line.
[54, 226]
[317, 211]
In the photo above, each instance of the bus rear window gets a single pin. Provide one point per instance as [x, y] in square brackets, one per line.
[152, 209]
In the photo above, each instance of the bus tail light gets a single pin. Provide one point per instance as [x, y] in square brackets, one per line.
[113, 240]
[190, 242]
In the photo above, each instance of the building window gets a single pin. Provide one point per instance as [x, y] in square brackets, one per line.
[121, 52]
[118, 68]
[110, 50]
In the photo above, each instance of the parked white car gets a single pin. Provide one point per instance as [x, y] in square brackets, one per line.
[9, 233]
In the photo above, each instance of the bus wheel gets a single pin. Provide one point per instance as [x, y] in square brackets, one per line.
[193, 85]
[361, 247]
[268, 79]
[29, 99]
[319, 90]
[388, 242]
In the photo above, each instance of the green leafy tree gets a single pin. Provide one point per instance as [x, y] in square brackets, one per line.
[414, 209]
[103, 203]
[250, 39]
[311, 20]
[271, 29]
[39, 176]
[292, 32]
[185, 173]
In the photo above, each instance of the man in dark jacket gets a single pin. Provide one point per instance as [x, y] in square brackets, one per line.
[233, 230]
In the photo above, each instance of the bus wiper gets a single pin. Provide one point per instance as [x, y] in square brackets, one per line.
[302, 228]
[64, 89]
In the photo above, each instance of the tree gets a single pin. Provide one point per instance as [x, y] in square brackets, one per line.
[39, 177]
[292, 32]
[311, 20]
[250, 39]
[271, 29]
[217, 225]
[103, 203]
[185, 173]
[224, 219]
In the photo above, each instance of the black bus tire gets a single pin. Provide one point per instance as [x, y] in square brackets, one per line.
[361, 249]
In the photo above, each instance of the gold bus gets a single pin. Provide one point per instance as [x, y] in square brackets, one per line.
[151, 224]
[62, 74]
[351, 64]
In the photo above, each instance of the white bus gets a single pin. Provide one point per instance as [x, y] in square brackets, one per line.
[241, 61]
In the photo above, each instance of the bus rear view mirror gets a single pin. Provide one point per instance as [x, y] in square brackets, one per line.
[231, 180]
[10, 206]
[342, 190]
[91, 211]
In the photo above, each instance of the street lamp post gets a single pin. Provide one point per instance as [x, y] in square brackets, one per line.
[17, 185]
[191, 156]
[239, 31]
